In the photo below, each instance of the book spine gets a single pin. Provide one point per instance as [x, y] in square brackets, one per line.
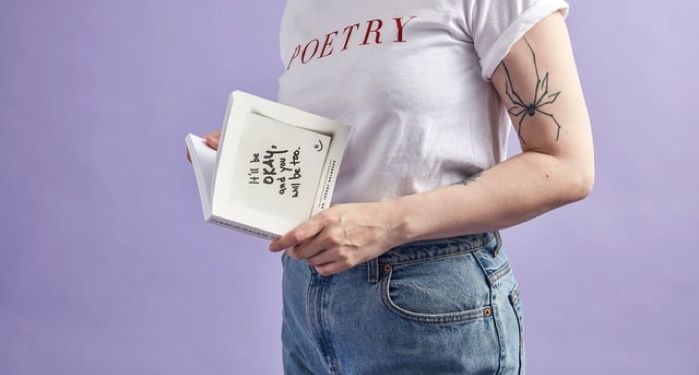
[246, 229]
[327, 185]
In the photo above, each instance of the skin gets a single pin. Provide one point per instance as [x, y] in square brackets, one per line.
[555, 168]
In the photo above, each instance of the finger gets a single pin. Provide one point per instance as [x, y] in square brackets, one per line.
[328, 269]
[323, 257]
[311, 247]
[296, 236]
[212, 142]
[212, 139]
[213, 133]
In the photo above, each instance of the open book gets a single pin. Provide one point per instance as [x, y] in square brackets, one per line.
[275, 166]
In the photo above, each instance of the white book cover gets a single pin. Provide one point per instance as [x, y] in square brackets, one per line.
[275, 166]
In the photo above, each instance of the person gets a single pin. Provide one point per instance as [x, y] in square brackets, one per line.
[405, 272]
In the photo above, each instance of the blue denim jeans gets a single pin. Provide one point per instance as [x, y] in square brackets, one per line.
[441, 306]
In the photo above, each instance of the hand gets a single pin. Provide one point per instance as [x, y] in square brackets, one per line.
[211, 141]
[343, 236]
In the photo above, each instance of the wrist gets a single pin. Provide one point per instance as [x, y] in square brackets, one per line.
[400, 221]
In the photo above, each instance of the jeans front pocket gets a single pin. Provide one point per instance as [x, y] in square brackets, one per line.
[445, 289]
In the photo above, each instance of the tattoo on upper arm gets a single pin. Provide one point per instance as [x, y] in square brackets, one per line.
[541, 97]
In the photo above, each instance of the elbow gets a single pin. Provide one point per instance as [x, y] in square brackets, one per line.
[583, 182]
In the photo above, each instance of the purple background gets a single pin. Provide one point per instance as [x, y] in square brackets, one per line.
[106, 266]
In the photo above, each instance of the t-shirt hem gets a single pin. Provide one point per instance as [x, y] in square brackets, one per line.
[516, 30]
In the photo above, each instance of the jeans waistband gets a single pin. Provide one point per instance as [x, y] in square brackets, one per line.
[430, 248]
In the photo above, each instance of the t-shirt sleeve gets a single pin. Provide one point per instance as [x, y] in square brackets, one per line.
[496, 25]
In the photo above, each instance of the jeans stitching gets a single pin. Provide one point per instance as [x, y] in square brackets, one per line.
[496, 309]
[514, 301]
[373, 271]
[433, 257]
[421, 249]
[328, 350]
[499, 273]
[451, 317]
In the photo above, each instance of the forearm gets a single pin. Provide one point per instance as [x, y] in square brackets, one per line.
[506, 194]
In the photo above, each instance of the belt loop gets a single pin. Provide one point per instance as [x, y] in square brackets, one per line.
[373, 268]
[498, 240]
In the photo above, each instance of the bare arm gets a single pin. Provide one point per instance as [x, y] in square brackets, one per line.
[538, 83]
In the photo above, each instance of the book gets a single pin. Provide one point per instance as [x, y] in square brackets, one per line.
[275, 167]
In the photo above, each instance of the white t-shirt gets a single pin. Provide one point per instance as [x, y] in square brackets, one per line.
[412, 78]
